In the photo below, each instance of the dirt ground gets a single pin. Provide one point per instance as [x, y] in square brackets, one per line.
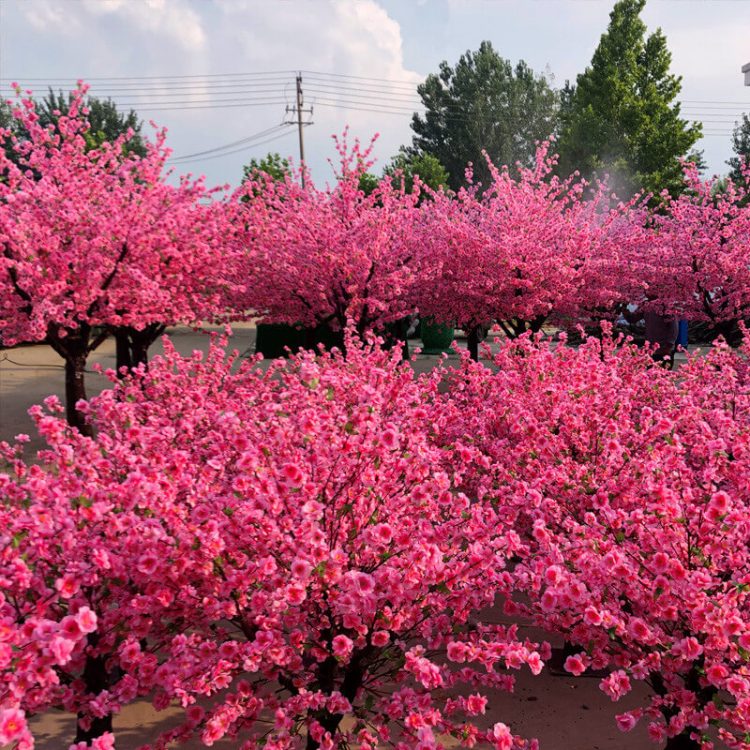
[564, 713]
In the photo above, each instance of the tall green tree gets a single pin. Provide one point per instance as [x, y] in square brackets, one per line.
[483, 103]
[741, 148]
[622, 117]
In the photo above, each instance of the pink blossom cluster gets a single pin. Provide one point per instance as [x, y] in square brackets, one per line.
[628, 486]
[95, 240]
[324, 256]
[98, 236]
[523, 251]
[694, 258]
[273, 550]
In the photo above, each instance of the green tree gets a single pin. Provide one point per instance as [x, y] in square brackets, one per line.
[741, 148]
[622, 118]
[483, 103]
[409, 163]
[273, 165]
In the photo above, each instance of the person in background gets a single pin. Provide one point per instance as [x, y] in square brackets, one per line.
[661, 331]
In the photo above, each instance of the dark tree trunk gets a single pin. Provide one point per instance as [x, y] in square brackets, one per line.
[351, 683]
[473, 339]
[75, 390]
[682, 742]
[133, 345]
[96, 678]
[124, 358]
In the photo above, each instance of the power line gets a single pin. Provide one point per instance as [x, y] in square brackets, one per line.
[159, 104]
[237, 150]
[240, 142]
[248, 103]
[394, 81]
[152, 78]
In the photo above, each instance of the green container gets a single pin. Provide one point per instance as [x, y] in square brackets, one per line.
[436, 337]
[271, 339]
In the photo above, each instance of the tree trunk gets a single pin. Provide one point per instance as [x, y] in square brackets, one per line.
[133, 345]
[682, 742]
[473, 338]
[124, 358]
[75, 390]
[97, 679]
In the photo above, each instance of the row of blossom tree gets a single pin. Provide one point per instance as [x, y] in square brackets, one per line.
[313, 556]
[96, 241]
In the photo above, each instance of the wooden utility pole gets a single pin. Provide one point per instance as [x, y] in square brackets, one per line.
[298, 109]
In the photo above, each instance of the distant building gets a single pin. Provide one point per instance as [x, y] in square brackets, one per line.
[746, 71]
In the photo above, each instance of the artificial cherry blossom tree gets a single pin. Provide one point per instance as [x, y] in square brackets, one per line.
[520, 252]
[629, 486]
[95, 239]
[694, 261]
[274, 550]
[322, 257]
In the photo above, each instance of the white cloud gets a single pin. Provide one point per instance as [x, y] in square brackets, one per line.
[174, 19]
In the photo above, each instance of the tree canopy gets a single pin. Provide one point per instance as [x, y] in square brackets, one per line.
[741, 148]
[483, 103]
[409, 163]
[622, 117]
[272, 164]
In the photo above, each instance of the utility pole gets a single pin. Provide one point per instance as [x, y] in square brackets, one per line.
[299, 109]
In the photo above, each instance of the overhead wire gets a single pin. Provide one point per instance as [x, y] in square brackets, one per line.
[232, 144]
[276, 137]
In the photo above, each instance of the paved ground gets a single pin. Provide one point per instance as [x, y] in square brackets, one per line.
[563, 712]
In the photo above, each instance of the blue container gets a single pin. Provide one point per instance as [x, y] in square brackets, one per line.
[682, 334]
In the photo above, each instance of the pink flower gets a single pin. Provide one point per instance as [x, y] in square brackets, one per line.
[148, 563]
[380, 638]
[687, 648]
[68, 586]
[296, 593]
[292, 475]
[104, 742]
[457, 651]
[626, 722]
[342, 647]
[12, 725]
[575, 664]
[616, 685]
[389, 439]
[61, 649]
[717, 673]
[301, 568]
[86, 619]
[534, 660]
[501, 737]
[476, 704]
[70, 627]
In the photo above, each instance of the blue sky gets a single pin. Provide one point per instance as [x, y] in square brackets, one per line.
[361, 61]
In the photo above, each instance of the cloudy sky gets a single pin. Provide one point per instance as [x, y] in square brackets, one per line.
[174, 60]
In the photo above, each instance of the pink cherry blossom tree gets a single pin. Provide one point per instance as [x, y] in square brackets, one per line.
[628, 483]
[274, 550]
[524, 251]
[95, 239]
[322, 257]
[694, 263]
